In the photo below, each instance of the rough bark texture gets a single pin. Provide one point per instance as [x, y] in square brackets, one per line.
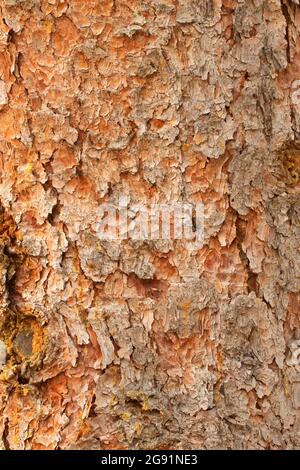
[149, 344]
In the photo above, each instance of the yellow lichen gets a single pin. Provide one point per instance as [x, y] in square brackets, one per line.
[113, 401]
[48, 25]
[126, 416]
[138, 429]
[140, 397]
[290, 161]
[28, 168]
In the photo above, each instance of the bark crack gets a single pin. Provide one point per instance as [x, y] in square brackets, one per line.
[5, 435]
[241, 225]
[287, 16]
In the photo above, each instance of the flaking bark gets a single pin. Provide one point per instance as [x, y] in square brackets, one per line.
[148, 344]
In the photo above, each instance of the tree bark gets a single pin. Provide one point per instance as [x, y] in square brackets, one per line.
[149, 344]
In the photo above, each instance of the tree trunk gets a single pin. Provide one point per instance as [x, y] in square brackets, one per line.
[139, 344]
